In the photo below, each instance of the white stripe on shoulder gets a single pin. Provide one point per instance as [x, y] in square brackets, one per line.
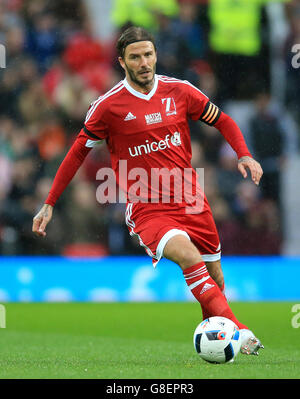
[95, 104]
[103, 95]
[166, 79]
[194, 87]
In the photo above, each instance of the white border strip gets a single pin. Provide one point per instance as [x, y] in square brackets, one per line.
[211, 257]
[163, 241]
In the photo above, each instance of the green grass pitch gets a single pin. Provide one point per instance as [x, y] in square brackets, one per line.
[137, 340]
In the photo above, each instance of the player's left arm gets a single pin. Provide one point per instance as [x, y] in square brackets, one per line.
[213, 116]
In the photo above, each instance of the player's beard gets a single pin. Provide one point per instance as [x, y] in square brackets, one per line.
[143, 83]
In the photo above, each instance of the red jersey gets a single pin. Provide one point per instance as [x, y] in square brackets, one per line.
[148, 131]
[148, 134]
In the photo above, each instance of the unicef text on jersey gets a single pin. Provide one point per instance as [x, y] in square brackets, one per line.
[162, 185]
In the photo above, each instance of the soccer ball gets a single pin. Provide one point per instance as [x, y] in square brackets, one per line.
[217, 340]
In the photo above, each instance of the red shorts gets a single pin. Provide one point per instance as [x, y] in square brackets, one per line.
[155, 224]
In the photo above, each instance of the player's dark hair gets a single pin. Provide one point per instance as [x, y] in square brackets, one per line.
[132, 35]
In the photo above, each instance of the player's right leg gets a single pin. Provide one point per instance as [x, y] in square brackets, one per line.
[182, 251]
[164, 236]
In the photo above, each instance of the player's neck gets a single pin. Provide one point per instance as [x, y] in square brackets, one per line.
[141, 88]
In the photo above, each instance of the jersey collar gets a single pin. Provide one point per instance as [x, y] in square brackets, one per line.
[139, 94]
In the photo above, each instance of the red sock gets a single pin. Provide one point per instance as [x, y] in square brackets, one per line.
[205, 313]
[239, 324]
[208, 294]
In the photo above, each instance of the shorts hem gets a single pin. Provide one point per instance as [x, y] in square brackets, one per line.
[163, 241]
[211, 257]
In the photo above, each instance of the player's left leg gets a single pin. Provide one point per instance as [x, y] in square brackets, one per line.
[216, 273]
[250, 343]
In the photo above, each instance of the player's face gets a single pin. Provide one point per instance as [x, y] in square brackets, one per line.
[139, 63]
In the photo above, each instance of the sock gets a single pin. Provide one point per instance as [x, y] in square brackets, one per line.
[240, 325]
[205, 313]
[208, 294]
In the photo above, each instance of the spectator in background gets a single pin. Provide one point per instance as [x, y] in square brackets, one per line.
[28, 72]
[171, 48]
[8, 19]
[72, 97]
[187, 28]
[33, 103]
[268, 141]
[142, 12]
[88, 234]
[256, 219]
[42, 40]
[71, 16]
[227, 178]
[239, 55]
[207, 79]
[51, 139]
[10, 90]
[14, 40]
[15, 209]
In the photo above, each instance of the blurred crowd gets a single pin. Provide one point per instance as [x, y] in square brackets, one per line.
[56, 66]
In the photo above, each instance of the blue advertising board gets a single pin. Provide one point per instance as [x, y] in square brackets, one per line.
[119, 279]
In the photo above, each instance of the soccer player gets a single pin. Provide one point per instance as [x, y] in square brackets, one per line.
[144, 121]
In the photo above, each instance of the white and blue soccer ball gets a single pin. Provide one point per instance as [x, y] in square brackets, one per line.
[217, 340]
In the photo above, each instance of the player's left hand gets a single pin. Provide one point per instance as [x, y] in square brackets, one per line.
[254, 167]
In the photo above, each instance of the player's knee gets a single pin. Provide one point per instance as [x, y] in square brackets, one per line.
[189, 260]
[187, 256]
[182, 251]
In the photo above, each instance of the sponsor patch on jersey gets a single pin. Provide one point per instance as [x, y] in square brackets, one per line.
[153, 118]
[175, 139]
[170, 105]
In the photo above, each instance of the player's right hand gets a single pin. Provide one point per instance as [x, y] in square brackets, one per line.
[41, 219]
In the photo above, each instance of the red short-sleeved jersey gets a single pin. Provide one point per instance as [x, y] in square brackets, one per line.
[148, 131]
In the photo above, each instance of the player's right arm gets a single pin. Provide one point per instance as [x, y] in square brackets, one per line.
[83, 144]
[65, 173]
[41, 219]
